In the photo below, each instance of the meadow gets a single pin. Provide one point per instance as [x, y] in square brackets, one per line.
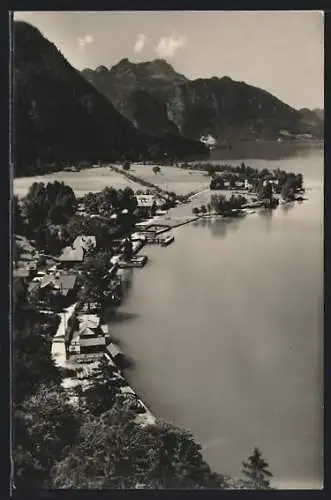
[89, 180]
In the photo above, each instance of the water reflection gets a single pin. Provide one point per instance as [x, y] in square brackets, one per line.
[219, 226]
[126, 276]
[287, 206]
[247, 355]
[266, 215]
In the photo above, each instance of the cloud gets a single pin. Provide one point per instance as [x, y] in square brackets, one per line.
[84, 40]
[169, 45]
[140, 42]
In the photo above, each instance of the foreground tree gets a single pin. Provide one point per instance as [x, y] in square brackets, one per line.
[256, 472]
[44, 425]
[115, 452]
[33, 364]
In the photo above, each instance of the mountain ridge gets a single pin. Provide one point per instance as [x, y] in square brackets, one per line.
[198, 107]
[59, 116]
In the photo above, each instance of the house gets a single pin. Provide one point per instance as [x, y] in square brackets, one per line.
[59, 288]
[89, 339]
[85, 242]
[116, 354]
[147, 204]
[71, 255]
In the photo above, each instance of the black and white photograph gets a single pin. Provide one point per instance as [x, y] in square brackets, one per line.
[167, 234]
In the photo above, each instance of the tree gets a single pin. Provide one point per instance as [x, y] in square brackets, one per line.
[156, 169]
[256, 472]
[211, 170]
[101, 397]
[17, 218]
[288, 190]
[54, 202]
[203, 209]
[195, 210]
[44, 426]
[32, 347]
[180, 463]
[114, 451]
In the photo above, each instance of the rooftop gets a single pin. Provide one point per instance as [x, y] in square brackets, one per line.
[147, 200]
[70, 254]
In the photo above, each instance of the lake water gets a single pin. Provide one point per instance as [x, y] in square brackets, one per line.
[226, 330]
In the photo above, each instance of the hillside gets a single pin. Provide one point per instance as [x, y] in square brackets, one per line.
[319, 112]
[137, 91]
[60, 117]
[155, 97]
[313, 118]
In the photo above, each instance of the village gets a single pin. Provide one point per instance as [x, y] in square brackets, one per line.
[70, 284]
[81, 282]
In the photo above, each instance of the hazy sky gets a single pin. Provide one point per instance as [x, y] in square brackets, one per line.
[282, 52]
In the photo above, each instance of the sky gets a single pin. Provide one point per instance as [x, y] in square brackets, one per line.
[279, 51]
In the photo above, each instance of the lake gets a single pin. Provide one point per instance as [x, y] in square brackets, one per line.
[226, 330]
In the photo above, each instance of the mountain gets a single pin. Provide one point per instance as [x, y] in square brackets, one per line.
[231, 110]
[155, 97]
[319, 112]
[137, 91]
[59, 116]
[313, 119]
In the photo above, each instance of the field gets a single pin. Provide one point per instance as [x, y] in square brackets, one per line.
[172, 178]
[95, 179]
[89, 180]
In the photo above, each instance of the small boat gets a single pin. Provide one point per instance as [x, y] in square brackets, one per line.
[168, 240]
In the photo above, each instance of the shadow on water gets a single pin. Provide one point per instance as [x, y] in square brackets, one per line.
[127, 362]
[116, 316]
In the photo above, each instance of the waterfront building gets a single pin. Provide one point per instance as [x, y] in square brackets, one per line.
[72, 256]
[148, 204]
[88, 339]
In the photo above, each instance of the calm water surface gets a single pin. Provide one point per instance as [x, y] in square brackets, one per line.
[225, 327]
